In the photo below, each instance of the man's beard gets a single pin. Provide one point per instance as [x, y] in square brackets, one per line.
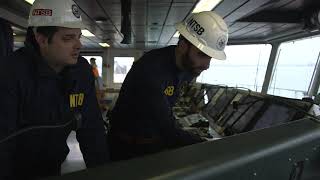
[188, 64]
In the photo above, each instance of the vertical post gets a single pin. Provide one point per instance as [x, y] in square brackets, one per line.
[270, 68]
[315, 81]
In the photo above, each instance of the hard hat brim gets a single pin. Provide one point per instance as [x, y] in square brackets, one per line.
[66, 25]
[220, 55]
[74, 25]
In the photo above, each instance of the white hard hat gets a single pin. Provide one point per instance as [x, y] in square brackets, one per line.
[207, 31]
[63, 13]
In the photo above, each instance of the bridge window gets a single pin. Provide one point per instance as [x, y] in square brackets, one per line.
[122, 66]
[244, 67]
[294, 67]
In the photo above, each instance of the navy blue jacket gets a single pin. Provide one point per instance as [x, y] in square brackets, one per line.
[33, 95]
[147, 95]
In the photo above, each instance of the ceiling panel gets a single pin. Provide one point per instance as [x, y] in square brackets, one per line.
[173, 41]
[139, 13]
[140, 32]
[152, 21]
[259, 32]
[177, 13]
[91, 8]
[153, 33]
[157, 13]
[244, 9]
[228, 6]
[238, 26]
[88, 43]
[249, 28]
[240, 32]
[18, 7]
[167, 33]
[283, 5]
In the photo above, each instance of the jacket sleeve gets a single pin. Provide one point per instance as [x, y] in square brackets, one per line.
[156, 107]
[174, 136]
[92, 134]
[8, 118]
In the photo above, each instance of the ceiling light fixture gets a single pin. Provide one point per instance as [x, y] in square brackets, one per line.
[30, 1]
[104, 44]
[177, 34]
[206, 5]
[86, 33]
[100, 20]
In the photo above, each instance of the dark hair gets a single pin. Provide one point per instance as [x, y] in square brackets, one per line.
[47, 31]
[182, 38]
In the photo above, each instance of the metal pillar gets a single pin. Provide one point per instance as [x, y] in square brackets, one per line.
[315, 82]
[271, 64]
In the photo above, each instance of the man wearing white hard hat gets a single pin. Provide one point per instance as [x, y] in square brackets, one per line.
[142, 121]
[46, 91]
